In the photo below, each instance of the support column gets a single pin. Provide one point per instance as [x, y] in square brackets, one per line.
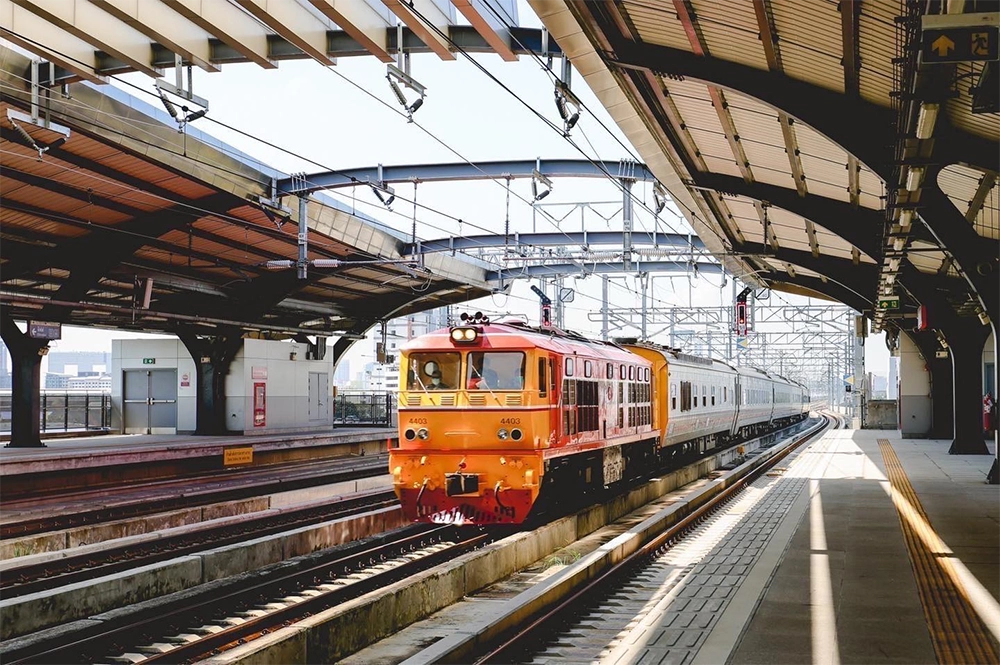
[604, 307]
[212, 356]
[965, 342]
[26, 373]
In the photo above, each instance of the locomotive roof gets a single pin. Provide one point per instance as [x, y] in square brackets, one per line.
[517, 335]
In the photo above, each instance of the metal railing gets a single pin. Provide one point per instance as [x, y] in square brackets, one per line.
[64, 410]
[365, 408]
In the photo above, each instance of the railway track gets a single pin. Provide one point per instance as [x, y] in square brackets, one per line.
[526, 642]
[23, 580]
[163, 496]
[195, 627]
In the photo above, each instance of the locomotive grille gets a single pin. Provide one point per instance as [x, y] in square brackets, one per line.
[413, 400]
[477, 400]
[447, 400]
[513, 400]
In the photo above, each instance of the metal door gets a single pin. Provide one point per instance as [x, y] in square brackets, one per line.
[150, 401]
[319, 402]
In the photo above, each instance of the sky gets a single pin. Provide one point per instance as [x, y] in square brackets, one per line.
[346, 116]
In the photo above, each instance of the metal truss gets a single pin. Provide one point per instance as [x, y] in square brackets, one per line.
[813, 344]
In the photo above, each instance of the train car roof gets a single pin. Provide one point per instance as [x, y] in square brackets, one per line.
[517, 335]
[674, 355]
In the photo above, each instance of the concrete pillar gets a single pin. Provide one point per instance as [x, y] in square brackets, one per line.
[914, 391]
[26, 376]
[966, 339]
[212, 357]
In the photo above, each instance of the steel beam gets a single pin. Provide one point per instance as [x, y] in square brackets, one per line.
[236, 28]
[861, 227]
[554, 269]
[164, 26]
[823, 110]
[363, 21]
[459, 171]
[569, 238]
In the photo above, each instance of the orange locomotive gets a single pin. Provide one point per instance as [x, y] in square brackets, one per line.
[490, 411]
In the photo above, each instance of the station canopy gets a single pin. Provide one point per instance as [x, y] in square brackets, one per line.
[110, 217]
[807, 141]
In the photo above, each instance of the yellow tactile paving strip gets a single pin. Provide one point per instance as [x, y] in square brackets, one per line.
[957, 632]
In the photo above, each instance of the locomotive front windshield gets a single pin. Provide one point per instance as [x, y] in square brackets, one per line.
[495, 370]
[433, 371]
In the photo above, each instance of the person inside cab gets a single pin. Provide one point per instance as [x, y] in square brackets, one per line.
[437, 383]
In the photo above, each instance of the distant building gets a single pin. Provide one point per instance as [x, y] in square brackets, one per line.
[56, 381]
[892, 387]
[92, 382]
[85, 361]
[879, 386]
[4, 367]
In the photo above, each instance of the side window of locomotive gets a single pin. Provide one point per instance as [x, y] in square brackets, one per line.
[588, 368]
[433, 371]
[611, 371]
[621, 372]
[542, 381]
[569, 367]
[496, 370]
[631, 373]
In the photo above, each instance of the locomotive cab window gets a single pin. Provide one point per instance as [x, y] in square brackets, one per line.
[542, 381]
[433, 371]
[495, 370]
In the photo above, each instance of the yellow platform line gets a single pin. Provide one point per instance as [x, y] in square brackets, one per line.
[957, 632]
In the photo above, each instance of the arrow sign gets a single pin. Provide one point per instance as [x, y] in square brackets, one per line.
[960, 44]
[943, 45]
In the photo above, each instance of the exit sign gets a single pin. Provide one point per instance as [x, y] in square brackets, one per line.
[888, 303]
[149, 361]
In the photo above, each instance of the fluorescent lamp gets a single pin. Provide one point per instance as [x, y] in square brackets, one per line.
[926, 120]
[893, 264]
[984, 318]
[899, 243]
[905, 219]
[891, 278]
[914, 178]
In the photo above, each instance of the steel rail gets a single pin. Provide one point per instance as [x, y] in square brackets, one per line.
[112, 636]
[24, 580]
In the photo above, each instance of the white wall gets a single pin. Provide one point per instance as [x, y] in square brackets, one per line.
[287, 383]
[914, 390]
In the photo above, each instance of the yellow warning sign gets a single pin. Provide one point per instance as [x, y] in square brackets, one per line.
[233, 456]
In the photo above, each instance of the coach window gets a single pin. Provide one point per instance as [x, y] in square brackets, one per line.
[569, 367]
[588, 369]
[673, 396]
[542, 381]
[725, 394]
[704, 395]
[500, 370]
[713, 395]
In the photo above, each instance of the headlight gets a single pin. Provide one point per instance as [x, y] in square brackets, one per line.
[464, 335]
[470, 334]
[502, 434]
[515, 434]
[422, 433]
[456, 335]
[409, 434]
